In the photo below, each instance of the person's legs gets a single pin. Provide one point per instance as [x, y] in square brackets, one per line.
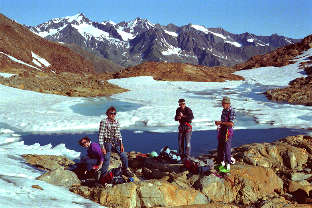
[108, 147]
[227, 150]
[123, 155]
[220, 155]
[124, 160]
[181, 142]
[187, 143]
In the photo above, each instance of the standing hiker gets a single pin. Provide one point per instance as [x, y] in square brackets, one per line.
[95, 158]
[225, 134]
[185, 116]
[110, 140]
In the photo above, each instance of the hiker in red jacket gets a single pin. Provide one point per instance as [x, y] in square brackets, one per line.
[185, 116]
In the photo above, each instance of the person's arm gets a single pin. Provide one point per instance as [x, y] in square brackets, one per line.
[227, 123]
[232, 118]
[177, 116]
[99, 154]
[218, 123]
[188, 117]
[102, 135]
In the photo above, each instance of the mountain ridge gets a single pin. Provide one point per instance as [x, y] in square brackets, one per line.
[131, 43]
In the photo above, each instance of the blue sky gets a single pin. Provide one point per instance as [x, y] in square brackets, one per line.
[291, 18]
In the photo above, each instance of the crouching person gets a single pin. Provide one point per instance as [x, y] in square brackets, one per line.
[110, 140]
[93, 162]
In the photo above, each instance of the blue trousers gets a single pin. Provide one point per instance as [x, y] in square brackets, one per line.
[224, 145]
[184, 140]
[115, 147]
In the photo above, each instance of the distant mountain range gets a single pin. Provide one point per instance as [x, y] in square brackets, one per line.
[137, 41]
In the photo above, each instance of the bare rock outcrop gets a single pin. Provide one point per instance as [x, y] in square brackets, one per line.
[179, 72]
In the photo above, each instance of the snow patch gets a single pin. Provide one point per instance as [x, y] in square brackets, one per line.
[125, 35]
[6, 75]
[19, 61]
[50, 32]
[236, 44]
[37, 58]
[174, 34]
[205, 30]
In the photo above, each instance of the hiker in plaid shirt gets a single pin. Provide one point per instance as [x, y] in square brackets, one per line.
[110, 139]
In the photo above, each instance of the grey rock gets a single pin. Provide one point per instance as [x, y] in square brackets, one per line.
[300, 176]
[60, 177]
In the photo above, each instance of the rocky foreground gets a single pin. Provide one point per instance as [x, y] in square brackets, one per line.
[265, 175]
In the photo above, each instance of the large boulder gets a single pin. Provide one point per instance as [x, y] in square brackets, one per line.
[290, 153]
[149, 193]
[246, 184]
[47, 162]
[60, 177]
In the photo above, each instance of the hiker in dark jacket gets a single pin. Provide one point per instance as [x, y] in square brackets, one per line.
[185, 116]
[225, 134]
[95, 158]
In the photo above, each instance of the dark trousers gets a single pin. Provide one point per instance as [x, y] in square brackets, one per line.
[224, 145]
[115, 147]
[184, 140]
[89, 162]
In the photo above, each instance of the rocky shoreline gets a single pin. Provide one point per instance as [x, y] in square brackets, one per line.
[64, 83]
[299, 90]
[276, 174]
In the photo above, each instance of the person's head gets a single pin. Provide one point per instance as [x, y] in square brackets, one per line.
[111, 112]
[226, 102]
[181, 103]
[85, 142]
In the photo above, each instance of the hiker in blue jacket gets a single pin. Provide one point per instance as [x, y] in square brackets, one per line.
[185, 116]
[225, 134]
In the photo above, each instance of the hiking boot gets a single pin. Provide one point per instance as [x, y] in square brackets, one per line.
[127, 172]
[223, 169]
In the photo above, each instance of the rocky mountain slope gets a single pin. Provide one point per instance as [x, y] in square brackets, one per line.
[131, 43]
[179, 72]
[299, 90]
[265, 175]
[45, 66]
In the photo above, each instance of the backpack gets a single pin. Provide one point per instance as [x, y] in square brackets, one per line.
[198, 167]
[170, 155]
[113, 176]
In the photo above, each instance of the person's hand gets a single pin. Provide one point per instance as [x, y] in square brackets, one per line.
[104, 151]
[122, 149]
[99, 167]
[218, 123]
[181, 114]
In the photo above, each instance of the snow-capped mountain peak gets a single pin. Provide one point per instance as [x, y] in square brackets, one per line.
[130, 43]
[77, 19]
